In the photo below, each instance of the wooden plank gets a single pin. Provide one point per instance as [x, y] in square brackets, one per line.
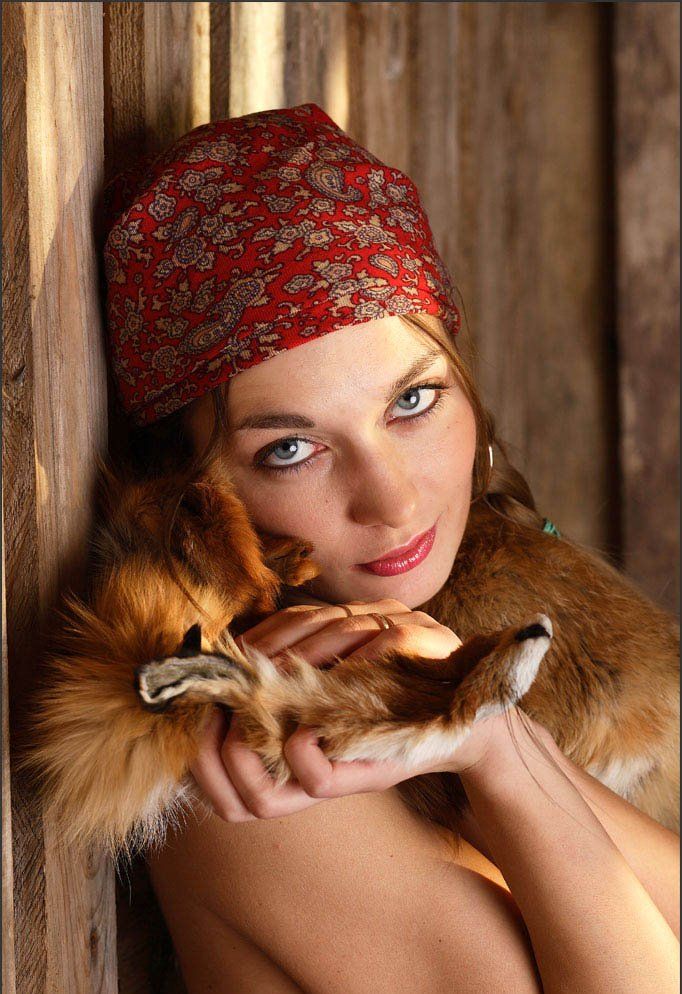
[433, 133]
[647, 116]
[529, 215]
[67, 937]
[316, 66]
[157, 87]
[380, 82]
[125, 128]
[16, 414]
[219, 59]
[156, 76]
[177, 69]
[8, 971]
[23, 861]
[257, 57]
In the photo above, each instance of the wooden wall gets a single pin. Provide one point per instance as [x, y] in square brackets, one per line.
[544, 140]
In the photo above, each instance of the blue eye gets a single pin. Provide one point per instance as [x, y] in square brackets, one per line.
[290, 450]
[417, 400]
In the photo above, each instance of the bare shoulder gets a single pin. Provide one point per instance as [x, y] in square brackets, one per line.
[351, 895]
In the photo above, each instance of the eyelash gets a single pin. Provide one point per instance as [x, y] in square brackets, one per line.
[297, 467]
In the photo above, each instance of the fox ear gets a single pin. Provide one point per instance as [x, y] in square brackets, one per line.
[288, 558]
[191, 643]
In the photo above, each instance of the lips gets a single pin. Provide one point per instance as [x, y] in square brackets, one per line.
[403, 559]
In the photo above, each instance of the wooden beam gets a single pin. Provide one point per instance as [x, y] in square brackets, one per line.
[647, 116]
[55, 423]
[157, 87]
[529, 214]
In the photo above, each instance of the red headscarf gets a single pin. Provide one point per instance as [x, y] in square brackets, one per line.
[250, 236]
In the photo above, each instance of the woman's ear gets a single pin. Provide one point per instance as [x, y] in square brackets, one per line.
[289, 558]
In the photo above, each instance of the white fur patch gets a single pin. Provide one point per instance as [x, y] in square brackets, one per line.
[622, 774]
[407, 745]
[529, 657]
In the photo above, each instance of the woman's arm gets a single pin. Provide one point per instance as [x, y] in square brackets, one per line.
[651, 850]
[592, 924]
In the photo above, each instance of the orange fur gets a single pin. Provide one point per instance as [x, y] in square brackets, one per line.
[119, 720]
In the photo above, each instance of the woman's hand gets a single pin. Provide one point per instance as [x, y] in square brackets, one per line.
[233, 777]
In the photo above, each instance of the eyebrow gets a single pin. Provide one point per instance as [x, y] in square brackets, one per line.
[287, 419]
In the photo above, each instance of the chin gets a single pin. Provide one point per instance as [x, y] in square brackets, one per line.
[413, 590]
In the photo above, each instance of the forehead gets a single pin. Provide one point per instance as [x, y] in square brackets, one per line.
[367, 356]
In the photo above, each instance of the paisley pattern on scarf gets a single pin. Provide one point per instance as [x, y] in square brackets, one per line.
[250, 236]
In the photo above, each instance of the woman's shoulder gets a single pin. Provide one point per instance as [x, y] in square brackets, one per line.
[352, 894]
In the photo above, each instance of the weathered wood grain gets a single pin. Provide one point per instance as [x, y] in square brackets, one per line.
[64, 925]
[125, 126]
[23, 862]
[8, 971]
[176, 62]
[157, 87]
[316, 67]
[257, 57]
[219, 59]
[647, 117]
[529, 216]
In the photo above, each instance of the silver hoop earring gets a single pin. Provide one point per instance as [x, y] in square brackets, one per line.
[490, 453]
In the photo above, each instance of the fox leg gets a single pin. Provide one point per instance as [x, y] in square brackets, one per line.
[395, 708]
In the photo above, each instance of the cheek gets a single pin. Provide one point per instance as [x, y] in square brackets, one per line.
[447, 459]
[297, 509]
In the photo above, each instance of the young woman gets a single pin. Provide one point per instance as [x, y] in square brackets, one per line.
[371, 443]
[330, 884]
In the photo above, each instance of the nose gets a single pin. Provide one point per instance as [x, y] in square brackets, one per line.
[383, 491]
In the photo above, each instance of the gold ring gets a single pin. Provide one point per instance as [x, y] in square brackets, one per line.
[382, 620]
[344, 607]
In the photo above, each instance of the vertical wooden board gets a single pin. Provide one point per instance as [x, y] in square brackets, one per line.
[571, 430]
[8, 972]
[380, 81]
[64, 101]
[530, 257]
[24, 931]
[157, 87]
[219, 63]
[177, 72]
[433, 119]
[316, 67]
[125, 130]
[647, 80]
[257, 57]
[65, 172]
[156, 76]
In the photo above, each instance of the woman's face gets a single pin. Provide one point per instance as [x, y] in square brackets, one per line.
[358, 442]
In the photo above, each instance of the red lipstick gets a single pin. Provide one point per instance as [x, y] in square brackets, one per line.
[401, 560]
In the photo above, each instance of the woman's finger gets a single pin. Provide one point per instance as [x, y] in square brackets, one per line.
[339, 639]
[256, 789]
[360, 638]
[211, 776]
[285, 628]
[322, 778]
